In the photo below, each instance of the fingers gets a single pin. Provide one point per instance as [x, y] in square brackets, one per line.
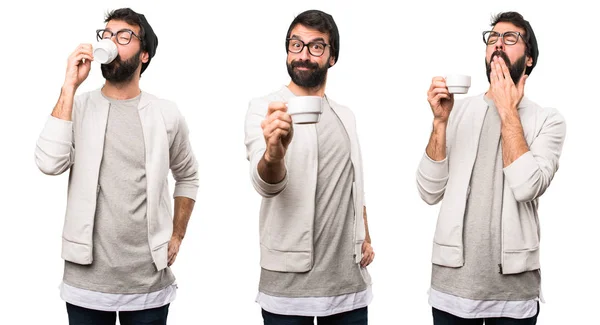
[276, 106]
[276, 117]
[87, 48]
[279, 115]
[437, 82]
[441, 96]
[504, 69]
[84, 46]
[439, 90]
[276, 120]
[172, 250]
[438, 79]
[172, 255]
[172, 258]
[500, 71]
[371, 258]
[88, 63]
[494, 74]
[438, 94]
[283, 127]
[277, 124]
[83, 49]
[368, 254]
[80, 56]
[275, 137]
[368, 257]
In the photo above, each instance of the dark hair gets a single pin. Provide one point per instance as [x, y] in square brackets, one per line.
[324, 23]
[129, 16]
[517, 19]
[148, 39]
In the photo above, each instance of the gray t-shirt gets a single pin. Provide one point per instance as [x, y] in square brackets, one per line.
[480, 278]
[334, 271]
[122, 261]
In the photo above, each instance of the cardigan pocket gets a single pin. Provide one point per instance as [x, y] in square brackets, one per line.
[160, 255]
[76, 252]
[520, 260]
[445, 255]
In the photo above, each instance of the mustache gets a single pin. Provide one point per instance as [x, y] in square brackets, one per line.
[304, 64]
[502, 55]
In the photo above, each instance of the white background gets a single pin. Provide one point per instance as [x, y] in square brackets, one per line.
[213, 57]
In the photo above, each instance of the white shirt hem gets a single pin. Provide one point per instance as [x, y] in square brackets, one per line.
[315, 306]
[468, 308]
[117, 302]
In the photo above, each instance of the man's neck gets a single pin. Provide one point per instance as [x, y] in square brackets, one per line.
[120, 91]
[488, 92]
[303, 91]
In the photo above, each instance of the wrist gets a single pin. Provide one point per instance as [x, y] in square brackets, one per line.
[508, 114]
[68, 90]
[178, 236]
[270, 162]
[439, 123]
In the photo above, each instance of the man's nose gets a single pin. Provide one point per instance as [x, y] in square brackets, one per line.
[500, 44]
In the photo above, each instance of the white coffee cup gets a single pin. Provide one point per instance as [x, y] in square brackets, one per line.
[305, 109]
[458, 83]
[105, 51]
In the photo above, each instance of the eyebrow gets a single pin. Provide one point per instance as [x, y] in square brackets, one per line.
[318, 39]
[122, 29]
[508, 31]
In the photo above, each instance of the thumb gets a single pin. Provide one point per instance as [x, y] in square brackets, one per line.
[521, 86]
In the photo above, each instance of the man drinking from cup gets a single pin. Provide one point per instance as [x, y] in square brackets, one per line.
[314, 238]
[120, 236]
[489, 158]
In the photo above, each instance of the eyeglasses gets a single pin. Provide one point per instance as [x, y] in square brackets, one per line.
[508, 38]
[123, 36]
[314, 48]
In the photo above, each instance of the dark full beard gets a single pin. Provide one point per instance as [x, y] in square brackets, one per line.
[312, 78]
[120, 71]
[516, 69]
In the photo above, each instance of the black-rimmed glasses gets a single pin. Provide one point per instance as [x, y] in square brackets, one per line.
[490, 37]
[314, 48]
[123, 36]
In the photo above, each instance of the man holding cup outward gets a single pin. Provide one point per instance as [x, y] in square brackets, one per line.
[305, 162]
[120, 235]
[489, 158]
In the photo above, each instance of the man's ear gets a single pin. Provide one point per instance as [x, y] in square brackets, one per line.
[145, 57]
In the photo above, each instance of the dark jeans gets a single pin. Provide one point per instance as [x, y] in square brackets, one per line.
[353, 317]
[444, 318]
[83, 316]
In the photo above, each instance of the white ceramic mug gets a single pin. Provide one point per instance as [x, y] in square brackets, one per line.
[305, 109]
[458, 83]
[105, 51]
